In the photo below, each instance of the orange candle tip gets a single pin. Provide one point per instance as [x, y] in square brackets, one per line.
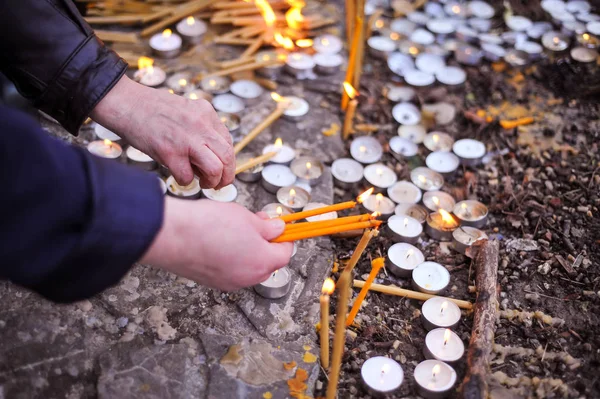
[318, 211]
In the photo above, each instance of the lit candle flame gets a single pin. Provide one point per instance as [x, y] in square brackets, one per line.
[586, 36]
[436, 138]
[171, 91]
[555, 40]
[463, 205]
[350, 90]
[447, 218]
[363, 149]
[379, 24]
[308, 165]
[182, 82]
[328, 287]
[279, 211]
[190, 20]
[422, 179]
[444, 306]
[167, 33]
[292, 196]
[413, 50]
[361, 198]
[145, 62]
[436, 201]
[108, 143]
[435, 370]
[447, 335]
[212, 83]
[375, 215]
[193, 96]
[456, 9]
[278, 143]
[379, 198]
[405, 222]
[304, 43]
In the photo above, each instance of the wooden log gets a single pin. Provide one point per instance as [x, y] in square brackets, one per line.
[485, 257]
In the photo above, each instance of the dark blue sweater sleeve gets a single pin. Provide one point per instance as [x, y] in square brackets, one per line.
[71, 224]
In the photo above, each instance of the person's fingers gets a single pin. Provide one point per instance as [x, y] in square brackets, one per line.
[263, 215]
[279, 255]
[224, 151]
[271, 228]
[181, 170]
[209, 166]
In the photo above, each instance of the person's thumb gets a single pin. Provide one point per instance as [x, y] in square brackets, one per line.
[271, 228]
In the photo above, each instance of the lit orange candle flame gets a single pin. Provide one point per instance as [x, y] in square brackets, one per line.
[361, 198]
[447, 335]
[278, 143]
[279, 211]
[350, 90]
[182, 82]
[304, 43]
[107, 142]
[283, 41]
[145, 62]
[375, 215]
[167, 33]
[328, 287]
[190, 20]
[447, 218]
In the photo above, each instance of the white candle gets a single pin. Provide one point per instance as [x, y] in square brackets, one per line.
[451, 76]
[325, 216]
[537, 29]
[430, 277]
[442, 162]
[299, 62]
[400, 93]
[285, 153]
[216, 85]
[346, 172]
[381, 204]
[493, 52]
[438, 141]
[327, 44]
[226, 194]
[516, 57]
[197, 95]
[140, 159]
[191, 29]
[471, 213]
[381, 46]
[404, 258]
[555, 41]
[422, 37]
[275, 176]
[418, 212]
[150, 76]
[381, 375]
[436, 200]
[294, 197]
[274, 210]
[434, 10]
[430, 63]
[469, 151]
[366, 149]
[402, 147]
[418, 17]
[443, 112]
[400, 63]
[405, 192]
[191, 191]
[380, 176]
[104, 134]
[414, 133]
[481, 9]
[180, 82]
[276, 286]
[426, 179]
[434, 379]
[248, 90]
[466, 34]
[403, 26]
[518, 23]
[166, 44]
[406, 114]
[441, 26]
[490, 38]
[105, 149]
[531, 48]
[163, 185]
[328, 63]
[553, 6]
[465, 236]
[444, 345]
[593, 27]
[405, 229]
[456, 10]
[585, 55]
[588, 17]
[480, 24]
[578, 6]
[308, 170]
[296, 107]
[228, 103]
[439, 312]
[468, 55]
[418, 78]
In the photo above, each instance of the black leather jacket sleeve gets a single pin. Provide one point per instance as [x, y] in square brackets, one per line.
[55, 60]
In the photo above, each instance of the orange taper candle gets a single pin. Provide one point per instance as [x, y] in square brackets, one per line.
[302, 235]
[339, 337]
[326, 223]
[376, 265]
[328, 287]
[318, 211]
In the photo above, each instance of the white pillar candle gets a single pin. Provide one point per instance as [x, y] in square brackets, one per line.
[434, 379]
[426, 179]
[166, 44]
[444, 345]
[414, 133]
[285, 153]
[275, 176]
[228, 103]
[439, 312]
[438, 141]
[517, 23]
[404, 229]
[419, 78]
[398, 94]
[150, 76]
[415, 211]
[327, 44]
[105, 149]
[191, 191]
[366, 149]
[441, 26]
[405, 192]
[276, 286]
[451, 76]
[430, 278]
[293, 197]
[138, 158]
[481, 9]
[296, 108]
[430, 63]
[226, 194]
[104, 134]
[400, 63]
[464, 237]
[325, 216]
[275, 210]
[469, 151]
[248, 90]
[346, 172]
[403, 258]
[381, 375]
[380, 176]
[216, 85]
[191, 29]
[299, 63]
[328, 64]
[422, 36]
[436, 200]
[442, 162]
[406, 114]
[379, 203]
[403, 148]
[403, 26]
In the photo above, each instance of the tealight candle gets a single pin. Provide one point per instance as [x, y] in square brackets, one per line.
[276, 286]
[588, 17]
[228, 103]
[406, 114]
[436, 200]
[325, 216]
[572, 27]
[464, 237]
[578, 6]
[468, 55]
[490, 38]
[443, 112]
[593, 27]
[191, 191]
[380, 46]
[518, 23]
[271, 71]
[139, 159]
[532, 48]
[562, 17]
[150, 76]
[285, 153]
[456, 10]
[439, 312]
[347, 173]
[587, 40]
[516, 57]
[466, 34]
[191, 29]
[296, 108]
[553, 6]
[414, 133]
[276, 176]
[410, 48]
[471, 213]
[104, 134]
[380, 176]
[299, 63]
[404, 229]
[381, 204]
[444, 345]
[166, 44]
[555, 41]
[493, 52]
[197, 95]
[180, 82]
[400, 63]
[440, 225]
[231, 122]
[426, 179]
[438, 141]
[512, 37]
[366, 149]
[293, 197]
[442, 162]
[418, 17]
[480, 24]
[441, 26]
[381, 375]
[451, 76]
[404, 192]
[481, 9]
[430, 63]
[418, 78]
[537, 29]
[251, 175]
[400, 93]
[584, 55]
[216, 85]
[403, 258]
[248, 90]
[430, 278]
[434, 379]
[403, 26]
[434, 10]
[327, 44]
[274, 210]
[403, 148]
[308, 170]
[418, 212]
[105, 149]
[422, 37]
[469, 151]
[328, 64]
[226, 194]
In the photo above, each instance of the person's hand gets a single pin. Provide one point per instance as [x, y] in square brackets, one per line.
[185, 135]
[218, 245]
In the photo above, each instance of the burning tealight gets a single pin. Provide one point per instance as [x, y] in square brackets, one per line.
[439, 313]
[104, 134]
[404, 229]
[555, 41]
[296, 108]
[400, 63]
[468, 55]
[191, 191]
[422, 37]
[444, 345]
[471, 213]
[299, 63]
[226, 194]
[148, 74]
[381, 46]
[105, 149]
[516, 57]
[166, 44]
[469, 151]
[415, 133]
[434, 379]
[381, 375]
[231, 122]
[451, 76]
[398, 94]
[347, 173]
[403, 148]
[308, 170]
[216, 85]
[456, 10]
[271, 71]
[366, 149]
[430, 63]
[277, 176]
[139, 159]
[518, 23]
[276, 210]
[442, 162]
[404, 192]
[285, 153]
[380, 176]
[406, 114]
[293, 197]
[327, 44]
[403, 258]
[440, 225]
[481, 9]
[228, 103]
[584, 55]
[191, 29]
[438, 141]
[430, 278]
[180, 82]
[276, 286]
[419, 78]
[328, 64]
[381, 204]
[410, 48]
[325, 216]
[464, 237]
[587, 40]
[197, 94]
[248, 90]
[426, 179]
[436, 200]
[418, 212]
